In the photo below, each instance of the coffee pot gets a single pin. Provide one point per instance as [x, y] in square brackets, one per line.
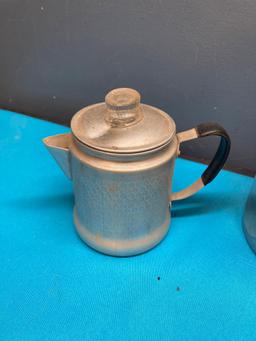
[120, 155]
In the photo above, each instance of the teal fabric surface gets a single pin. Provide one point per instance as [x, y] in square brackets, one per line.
[198, 284]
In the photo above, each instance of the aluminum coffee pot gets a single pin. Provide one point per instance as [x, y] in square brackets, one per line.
[120, 156]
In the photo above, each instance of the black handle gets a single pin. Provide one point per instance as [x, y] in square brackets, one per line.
[217, 163]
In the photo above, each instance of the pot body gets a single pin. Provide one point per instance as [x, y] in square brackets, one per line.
[122, 201]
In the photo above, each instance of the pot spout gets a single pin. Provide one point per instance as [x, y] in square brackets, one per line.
[58, 146]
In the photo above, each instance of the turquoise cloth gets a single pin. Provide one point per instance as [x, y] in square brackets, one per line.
[198, 284]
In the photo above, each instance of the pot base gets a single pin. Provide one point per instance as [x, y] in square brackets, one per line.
[122, 248]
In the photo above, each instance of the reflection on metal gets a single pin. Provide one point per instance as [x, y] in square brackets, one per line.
[250, 218]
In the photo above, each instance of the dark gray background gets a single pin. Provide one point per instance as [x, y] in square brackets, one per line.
[194, 59]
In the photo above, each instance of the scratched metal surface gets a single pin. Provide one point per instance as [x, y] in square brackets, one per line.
[198, 284]
[193, 59]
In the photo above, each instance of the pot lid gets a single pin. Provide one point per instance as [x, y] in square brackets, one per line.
[122, 124]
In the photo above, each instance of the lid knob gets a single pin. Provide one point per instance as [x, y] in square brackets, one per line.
[123, 107]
